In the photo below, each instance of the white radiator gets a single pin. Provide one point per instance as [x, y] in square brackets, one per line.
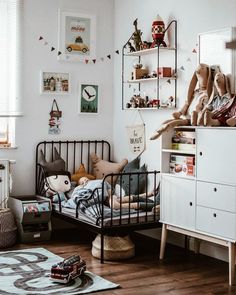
[4, 182]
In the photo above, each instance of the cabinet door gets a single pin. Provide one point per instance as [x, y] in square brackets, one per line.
[178, 201]
[216, 155]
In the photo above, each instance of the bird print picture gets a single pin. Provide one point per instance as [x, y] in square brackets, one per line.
[88, 99]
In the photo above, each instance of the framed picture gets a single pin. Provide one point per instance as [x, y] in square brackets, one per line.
[77, 36]
[213, 51]
[54, 83]
[88, 99]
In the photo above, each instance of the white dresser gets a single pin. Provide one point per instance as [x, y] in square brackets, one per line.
[204, 205]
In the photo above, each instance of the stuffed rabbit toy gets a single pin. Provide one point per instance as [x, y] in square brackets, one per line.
[194, 104]
[221, 109]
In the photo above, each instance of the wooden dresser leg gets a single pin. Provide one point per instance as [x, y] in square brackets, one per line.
[231, 263]
[163, 240]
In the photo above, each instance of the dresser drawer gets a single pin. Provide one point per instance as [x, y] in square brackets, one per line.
[216, 222]
[222, 197]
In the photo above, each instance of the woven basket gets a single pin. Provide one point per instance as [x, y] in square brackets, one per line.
[8, 229]
[115, 248]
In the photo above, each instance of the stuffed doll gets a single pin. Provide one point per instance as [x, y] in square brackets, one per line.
[194, 104]
[217, 111]
[56, 185]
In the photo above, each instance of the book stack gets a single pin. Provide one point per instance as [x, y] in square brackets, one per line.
[182, 165]
[183, 140]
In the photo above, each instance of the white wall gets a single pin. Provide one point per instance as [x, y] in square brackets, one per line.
[41, 19]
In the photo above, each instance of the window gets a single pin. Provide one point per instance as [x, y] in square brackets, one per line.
[10, 56]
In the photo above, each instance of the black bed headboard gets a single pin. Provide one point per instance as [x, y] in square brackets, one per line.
[73, 153]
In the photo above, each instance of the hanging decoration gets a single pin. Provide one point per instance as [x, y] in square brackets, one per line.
[136, 136]
[54, 120]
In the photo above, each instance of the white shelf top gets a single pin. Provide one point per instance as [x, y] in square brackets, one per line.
[150, 79]
[188, 152]
[148, 51]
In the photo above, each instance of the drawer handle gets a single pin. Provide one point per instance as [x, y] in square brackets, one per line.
[200, 153]
[2, 167]
[215, 189]
[190, 203]
[214, 214]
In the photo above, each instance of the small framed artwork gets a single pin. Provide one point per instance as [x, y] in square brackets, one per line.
[77, 36]
[54, 83]
[88, 99]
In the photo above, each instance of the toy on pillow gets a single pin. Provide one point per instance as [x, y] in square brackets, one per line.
[101, 168]
[58, 164]
[81, 172]
[57, 184]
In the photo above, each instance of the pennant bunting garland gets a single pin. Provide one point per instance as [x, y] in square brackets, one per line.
[129, 85]
[67, 57]
[94, 61]
[194, 50]
[117, 51]
[45, 43]
[52, 48]
[86, 61]
[102, 58]
[168, 81]
[109, 56]
[188, 59]
[182, 68]
[40, 38]
[59, 53]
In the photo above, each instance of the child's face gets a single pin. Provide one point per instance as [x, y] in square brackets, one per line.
[83, 180]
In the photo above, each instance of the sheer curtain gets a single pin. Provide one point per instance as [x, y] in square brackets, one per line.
[11, 58]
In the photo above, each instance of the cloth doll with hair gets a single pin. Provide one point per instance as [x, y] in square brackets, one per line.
[196, 100]
[221, 107]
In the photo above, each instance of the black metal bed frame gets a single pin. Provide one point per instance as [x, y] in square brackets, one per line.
[75, 153]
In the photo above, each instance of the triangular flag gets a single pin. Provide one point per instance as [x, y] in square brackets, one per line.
[59, 53]
[52, 48]
[117, 51]
[67, 56]
[129, 85]
[182, 68]
[102, 58]
[40, 38]
[86, 61]
[94, 61]
[109, 56]
[168, 81]
[45, 43]
[194, 50]
[188, 59]
[197, 44]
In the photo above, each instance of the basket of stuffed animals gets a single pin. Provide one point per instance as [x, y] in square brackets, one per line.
[8, 229]
[115, 247]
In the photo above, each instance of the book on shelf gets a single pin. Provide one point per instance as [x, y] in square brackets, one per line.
[182, 159]
[183, 146]
[182, 169]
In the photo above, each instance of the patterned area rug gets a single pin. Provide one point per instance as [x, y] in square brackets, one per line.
[28, 272]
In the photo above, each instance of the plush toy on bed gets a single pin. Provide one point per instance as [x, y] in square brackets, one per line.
[56, 185]
[194, 104]
[220, 109]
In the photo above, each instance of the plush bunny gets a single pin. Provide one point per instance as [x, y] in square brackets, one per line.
[220, 109]
[194, 104]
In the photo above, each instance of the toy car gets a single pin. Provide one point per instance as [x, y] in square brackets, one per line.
[69, 269]
[78, 47]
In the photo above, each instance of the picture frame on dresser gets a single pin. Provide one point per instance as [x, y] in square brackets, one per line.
[76, 35]
[54, 83]
[213, 51]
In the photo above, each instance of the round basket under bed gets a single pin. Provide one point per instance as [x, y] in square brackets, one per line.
[115, 248]
[8, 229]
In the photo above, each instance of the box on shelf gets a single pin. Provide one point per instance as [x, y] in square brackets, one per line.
[139, 73]
[181, 159]
[33, 217]
[182, 169]
[164, 72]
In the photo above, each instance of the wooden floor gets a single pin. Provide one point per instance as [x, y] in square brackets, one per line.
[181, 272]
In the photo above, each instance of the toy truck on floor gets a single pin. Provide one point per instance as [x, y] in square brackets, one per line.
[69, 269]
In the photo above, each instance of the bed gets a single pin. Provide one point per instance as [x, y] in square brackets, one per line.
[93, 213]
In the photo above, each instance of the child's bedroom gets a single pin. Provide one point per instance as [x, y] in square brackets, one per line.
[117, 144]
